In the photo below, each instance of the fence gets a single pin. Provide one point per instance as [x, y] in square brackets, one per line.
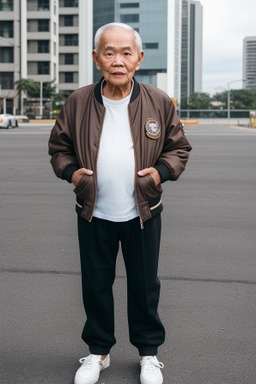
[213, 113]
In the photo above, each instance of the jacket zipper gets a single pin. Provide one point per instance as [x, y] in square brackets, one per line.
[135, 173]
[95, 178]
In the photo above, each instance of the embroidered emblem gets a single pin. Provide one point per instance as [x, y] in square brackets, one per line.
[153, 129]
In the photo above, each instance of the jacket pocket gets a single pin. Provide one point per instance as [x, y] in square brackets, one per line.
[148, 188]
[85, 188]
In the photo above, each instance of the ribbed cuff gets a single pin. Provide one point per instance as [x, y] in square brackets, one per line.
[164, 172]
[148, 351]
[68, 172]
[97, 350]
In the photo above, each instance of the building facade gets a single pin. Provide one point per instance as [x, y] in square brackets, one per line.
[191, 47]
[159, 25]
[196, 47]
[39, 40]
[50, 41]
[249, 62]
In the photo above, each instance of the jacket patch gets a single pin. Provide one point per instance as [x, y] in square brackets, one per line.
[152, 128]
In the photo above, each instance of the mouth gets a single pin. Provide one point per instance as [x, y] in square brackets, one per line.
[118, 74]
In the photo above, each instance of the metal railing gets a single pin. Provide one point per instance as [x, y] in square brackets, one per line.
[213, 113]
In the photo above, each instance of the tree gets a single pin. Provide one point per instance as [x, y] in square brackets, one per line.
[199, 100]
[28, 86]
[243, 98]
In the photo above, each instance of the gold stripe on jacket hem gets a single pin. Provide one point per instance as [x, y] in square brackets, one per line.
[156, 206]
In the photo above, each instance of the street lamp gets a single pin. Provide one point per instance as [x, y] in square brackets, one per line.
[228, 87]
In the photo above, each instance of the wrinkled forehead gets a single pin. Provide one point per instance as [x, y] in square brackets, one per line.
[117, 37]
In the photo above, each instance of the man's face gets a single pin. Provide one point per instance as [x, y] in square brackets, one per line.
[118, 56]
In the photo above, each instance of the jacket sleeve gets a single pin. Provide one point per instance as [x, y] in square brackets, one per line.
[172, 161]
[61, 148]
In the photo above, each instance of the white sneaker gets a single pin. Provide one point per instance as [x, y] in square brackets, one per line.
[151, 370]
[89, 372]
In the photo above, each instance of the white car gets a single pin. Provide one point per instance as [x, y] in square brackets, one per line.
[8, 121]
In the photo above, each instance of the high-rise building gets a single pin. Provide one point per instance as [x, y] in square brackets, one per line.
[196, 47]
[52, 41]
[39, 40]
[191, 47]
[185, 48]
[249, 62]
[159, 25]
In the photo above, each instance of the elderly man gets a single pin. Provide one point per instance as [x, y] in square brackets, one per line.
[117, 141]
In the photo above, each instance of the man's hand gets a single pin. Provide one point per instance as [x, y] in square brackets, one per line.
[77, 175]
[153, 172]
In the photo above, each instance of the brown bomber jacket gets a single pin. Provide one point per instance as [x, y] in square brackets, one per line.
[157, 134]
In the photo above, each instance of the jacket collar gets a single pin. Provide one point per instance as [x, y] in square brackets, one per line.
[97, 90]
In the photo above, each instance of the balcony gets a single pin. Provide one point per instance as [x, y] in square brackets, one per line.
[7, 67]
[69, 49]
[38, 57]
[68, 86]
[38, 35]
[68, 68]
[67, 30]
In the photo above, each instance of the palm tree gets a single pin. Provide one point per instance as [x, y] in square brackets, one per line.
[29, 87]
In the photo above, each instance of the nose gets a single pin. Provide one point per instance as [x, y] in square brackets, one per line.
[117, 62]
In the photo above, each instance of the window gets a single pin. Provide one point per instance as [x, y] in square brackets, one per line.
[9, 106]
[43, 5]
[54, 49]
[68, 21]
[132, 18]
[129, 5]
[6, 54]
[43, 46]
[69, 76]
[150, 46]
[70, 3]
[43, 68]
[43, 25]
[54, 28]
[6, 5]
[69, 58]
[6, 80]
[6, 29]
[71, 39]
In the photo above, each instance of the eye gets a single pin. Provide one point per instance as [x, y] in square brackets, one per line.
[127, 54]
[108, 54]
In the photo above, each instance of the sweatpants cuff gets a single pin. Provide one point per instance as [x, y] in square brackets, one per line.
[148, 351]
[98, 350]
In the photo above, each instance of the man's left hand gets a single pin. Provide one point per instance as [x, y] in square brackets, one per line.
[153, 172]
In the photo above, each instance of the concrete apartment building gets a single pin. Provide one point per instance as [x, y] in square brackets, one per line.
[249, 62]
[39, 40]
[28, 46]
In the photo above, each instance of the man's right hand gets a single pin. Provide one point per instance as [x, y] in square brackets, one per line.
[77, 175]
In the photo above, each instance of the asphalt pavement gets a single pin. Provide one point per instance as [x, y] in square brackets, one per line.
[207, 267]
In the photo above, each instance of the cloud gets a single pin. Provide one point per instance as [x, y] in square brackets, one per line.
[226, 24]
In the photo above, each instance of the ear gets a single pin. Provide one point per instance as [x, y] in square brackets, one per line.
[140, 58]
[96, 59]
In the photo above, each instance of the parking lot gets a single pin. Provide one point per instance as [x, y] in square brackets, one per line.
[207, 267]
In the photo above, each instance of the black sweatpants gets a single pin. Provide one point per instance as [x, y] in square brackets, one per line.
[99, 243]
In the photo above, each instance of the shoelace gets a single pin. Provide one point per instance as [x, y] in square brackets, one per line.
[91, 359]
[151, 362]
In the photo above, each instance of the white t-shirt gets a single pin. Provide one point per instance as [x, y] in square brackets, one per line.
[116, 165]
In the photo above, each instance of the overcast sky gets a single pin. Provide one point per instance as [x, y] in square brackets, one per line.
[226, 23]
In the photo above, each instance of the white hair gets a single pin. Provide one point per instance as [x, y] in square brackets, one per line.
[117, 25]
